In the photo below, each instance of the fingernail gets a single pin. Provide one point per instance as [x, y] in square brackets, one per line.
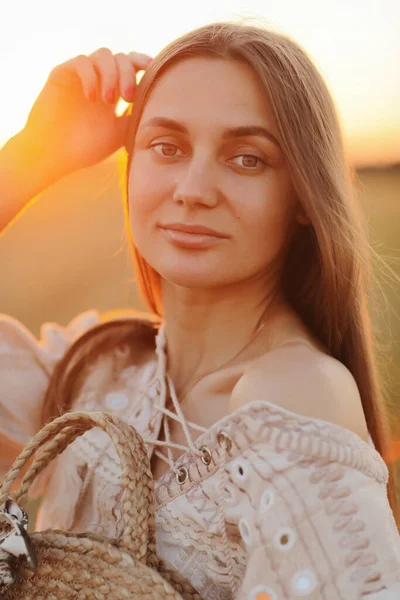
[111, 95]
[145, 56]
[129, 92]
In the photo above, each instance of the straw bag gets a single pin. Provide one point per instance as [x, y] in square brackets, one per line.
[57, 565]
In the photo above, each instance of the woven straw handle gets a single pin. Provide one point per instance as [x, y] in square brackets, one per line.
[137, 503]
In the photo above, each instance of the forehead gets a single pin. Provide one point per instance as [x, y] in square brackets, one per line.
[212, 89]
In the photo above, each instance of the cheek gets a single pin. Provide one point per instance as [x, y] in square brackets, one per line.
[143, 189]
[266, 215]
[148, 188]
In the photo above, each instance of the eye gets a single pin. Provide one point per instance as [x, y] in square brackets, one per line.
[166, 149]
[251, 161]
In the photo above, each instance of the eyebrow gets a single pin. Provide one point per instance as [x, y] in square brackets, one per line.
[231, 132]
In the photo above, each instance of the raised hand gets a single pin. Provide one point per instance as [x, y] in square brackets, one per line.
[73, 121]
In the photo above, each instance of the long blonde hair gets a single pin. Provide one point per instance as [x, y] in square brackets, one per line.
[327, 269]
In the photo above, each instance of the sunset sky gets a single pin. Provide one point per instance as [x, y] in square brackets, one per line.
[355, 44]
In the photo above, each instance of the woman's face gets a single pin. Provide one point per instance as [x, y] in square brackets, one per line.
[206, 155]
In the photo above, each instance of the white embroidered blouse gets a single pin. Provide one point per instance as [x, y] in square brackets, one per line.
[265, 504]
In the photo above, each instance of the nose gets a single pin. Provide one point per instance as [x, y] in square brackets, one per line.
[196, 184]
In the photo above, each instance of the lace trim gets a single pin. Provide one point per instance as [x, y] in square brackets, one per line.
[283, 430]
[348, 523]
[210, 544]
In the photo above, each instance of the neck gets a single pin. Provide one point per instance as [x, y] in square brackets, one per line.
[206, 328]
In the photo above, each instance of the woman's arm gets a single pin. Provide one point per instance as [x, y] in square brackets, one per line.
[25, 171]
[72, 125]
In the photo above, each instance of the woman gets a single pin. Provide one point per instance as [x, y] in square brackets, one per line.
[255, 385]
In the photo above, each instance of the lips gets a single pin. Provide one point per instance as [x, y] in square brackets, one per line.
[192, 228]
[191, 236]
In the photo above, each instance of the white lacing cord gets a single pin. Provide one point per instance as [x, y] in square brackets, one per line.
[165, 382]
[161, 363]
[168, 444]
[220, 488]
[179, 413]
[185, 426]
[173, 416]
[170, 461]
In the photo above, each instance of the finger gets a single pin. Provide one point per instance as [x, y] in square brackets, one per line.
[127, 77]
[139, 61]
[106, 68]
[80, 68]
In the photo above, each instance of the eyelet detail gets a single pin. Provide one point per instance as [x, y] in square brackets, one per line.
[224, 440]
[241, 470]
[230, 495]
[304, 582]
[244, 530]
[285, 539]
[182, 475]
[116, 400]
[206, 458]
[267, 499]
[262, 592]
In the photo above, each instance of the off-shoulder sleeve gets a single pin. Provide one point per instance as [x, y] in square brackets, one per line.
[26, 365]
[315, 524]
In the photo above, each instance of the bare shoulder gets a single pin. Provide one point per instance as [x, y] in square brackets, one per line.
[306, 381]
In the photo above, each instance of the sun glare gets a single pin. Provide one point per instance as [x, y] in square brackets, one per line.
[363, 76]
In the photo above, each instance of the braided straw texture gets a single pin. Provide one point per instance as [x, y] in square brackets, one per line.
[89, 566]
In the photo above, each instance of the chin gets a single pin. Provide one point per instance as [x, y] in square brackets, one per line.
[194, 276]
[190, 279]
[192, 269]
